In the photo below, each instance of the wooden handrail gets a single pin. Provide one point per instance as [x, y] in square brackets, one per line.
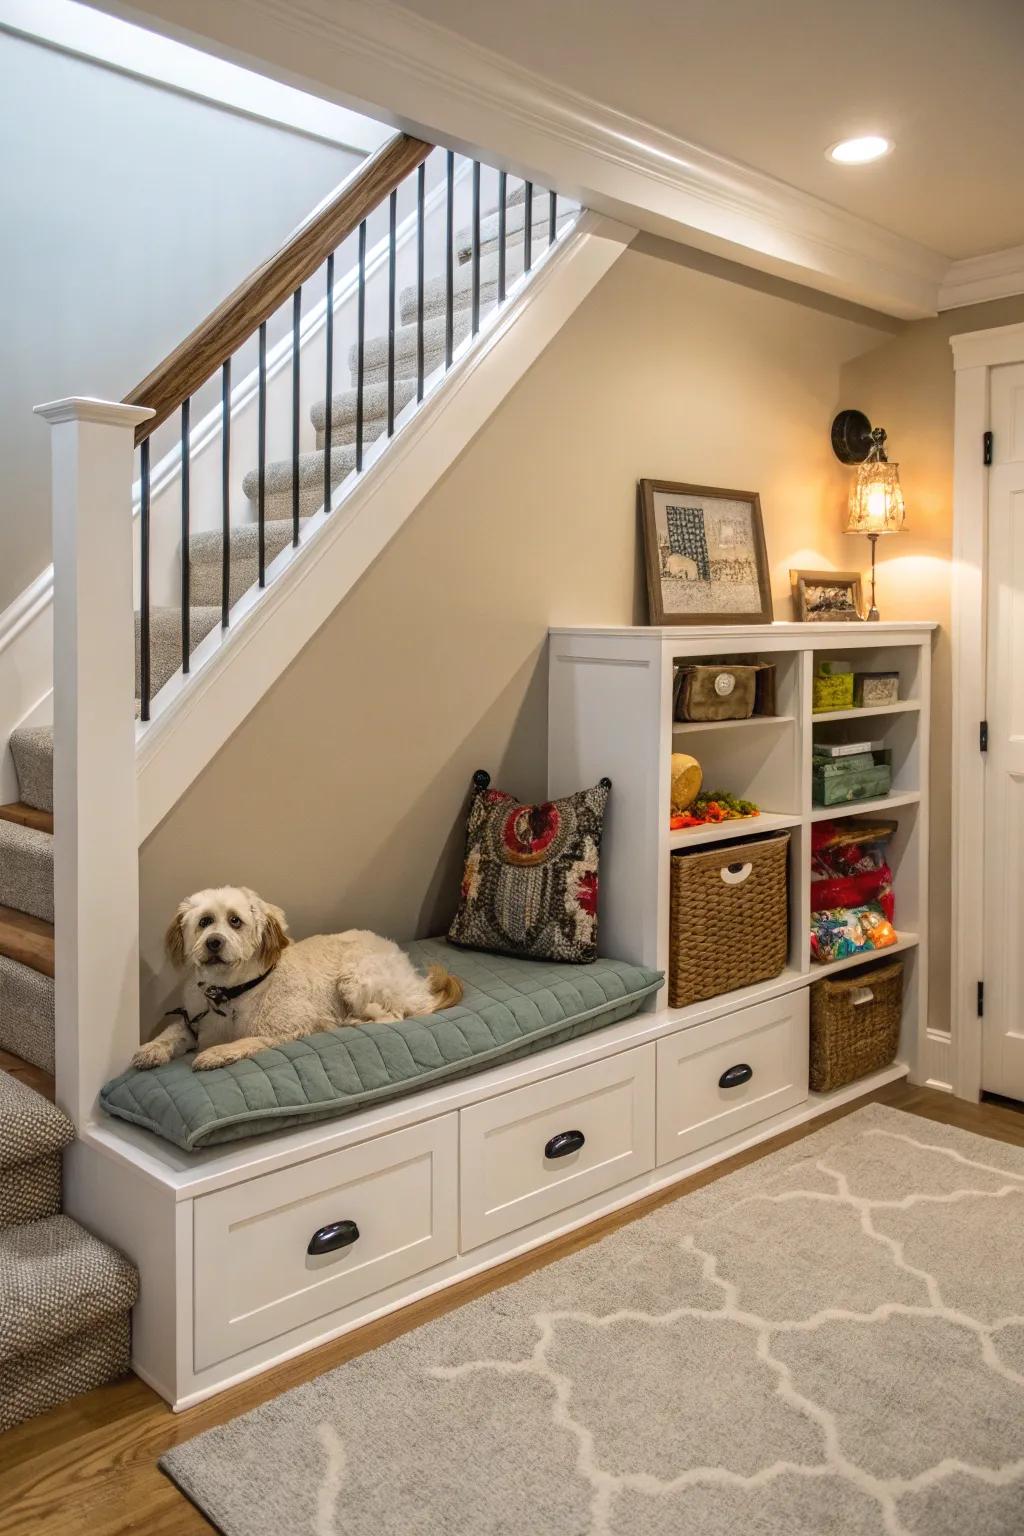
[223, 331]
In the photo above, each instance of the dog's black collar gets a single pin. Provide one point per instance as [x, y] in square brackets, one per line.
[218, 996]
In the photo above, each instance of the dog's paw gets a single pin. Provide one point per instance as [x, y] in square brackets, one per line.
[155, 1054]
[216, 1056]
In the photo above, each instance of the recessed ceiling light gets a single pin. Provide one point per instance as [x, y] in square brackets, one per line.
[871, 146]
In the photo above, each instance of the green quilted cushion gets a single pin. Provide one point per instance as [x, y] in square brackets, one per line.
[511, 1008]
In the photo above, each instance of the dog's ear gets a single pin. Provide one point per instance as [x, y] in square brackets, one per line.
[273, 934]
[174, 942]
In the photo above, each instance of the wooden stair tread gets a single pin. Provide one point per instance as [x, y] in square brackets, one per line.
[26, 939]
[25, 1072]
[27, 816]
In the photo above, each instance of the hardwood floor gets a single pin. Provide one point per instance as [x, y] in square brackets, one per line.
[89, 1468]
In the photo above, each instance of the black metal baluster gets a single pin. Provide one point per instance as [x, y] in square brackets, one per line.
[528, 227]
[261, 495]
[296, 324]
[449, 264]
[502, 219]
[144, 671]
[421, 187]
[186, 571]
[225, 493]
[392, 247]
[329, 417]
[360, 345]
[552, 216]
[476, 246]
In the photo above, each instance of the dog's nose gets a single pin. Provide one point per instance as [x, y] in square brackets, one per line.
[214, 943]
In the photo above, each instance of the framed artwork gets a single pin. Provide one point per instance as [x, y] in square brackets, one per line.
[827, 597]
[704, 555]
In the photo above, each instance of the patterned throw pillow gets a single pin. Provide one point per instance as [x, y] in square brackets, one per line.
[529, 886]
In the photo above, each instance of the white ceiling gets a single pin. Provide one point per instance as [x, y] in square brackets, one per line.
[772, 83]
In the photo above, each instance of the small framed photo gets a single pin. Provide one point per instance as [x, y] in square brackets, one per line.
[827, 597]
[704, 555]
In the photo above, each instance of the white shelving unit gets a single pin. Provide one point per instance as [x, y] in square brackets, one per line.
[610, 712]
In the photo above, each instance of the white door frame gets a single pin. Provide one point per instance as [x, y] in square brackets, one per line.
[975, 354]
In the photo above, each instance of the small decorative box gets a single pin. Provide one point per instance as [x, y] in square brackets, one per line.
[863, 776]
[832, 686]
[871, 690]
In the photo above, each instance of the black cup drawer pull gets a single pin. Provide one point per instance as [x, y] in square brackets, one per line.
[564, 1143]
[734, 1076]
[337, 1234]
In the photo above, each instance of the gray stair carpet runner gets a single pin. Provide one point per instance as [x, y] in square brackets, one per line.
[65, 1297]
[26, 885]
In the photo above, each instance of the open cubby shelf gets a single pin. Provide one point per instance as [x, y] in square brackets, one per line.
[611, 713]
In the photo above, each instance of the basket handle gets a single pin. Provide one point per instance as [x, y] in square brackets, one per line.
[735, 874]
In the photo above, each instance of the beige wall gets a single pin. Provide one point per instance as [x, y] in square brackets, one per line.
[341, 796]
[906, 386]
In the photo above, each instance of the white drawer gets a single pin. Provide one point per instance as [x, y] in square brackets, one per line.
[512, 1175]
[696, 1104]
[254, 1278]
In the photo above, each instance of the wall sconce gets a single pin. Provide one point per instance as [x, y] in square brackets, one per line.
[876, 500]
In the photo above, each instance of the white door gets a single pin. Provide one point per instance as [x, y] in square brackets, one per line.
[1003, 1029]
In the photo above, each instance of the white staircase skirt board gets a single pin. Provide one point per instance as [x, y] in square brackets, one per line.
[192, 718]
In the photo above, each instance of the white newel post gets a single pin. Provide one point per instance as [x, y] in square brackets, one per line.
[96, 845]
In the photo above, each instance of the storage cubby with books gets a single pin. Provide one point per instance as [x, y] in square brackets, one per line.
[611, 705]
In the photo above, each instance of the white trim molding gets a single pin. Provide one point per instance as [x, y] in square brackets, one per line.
[975, 354]
[89, 34]
[380, 58]
[26, 676]
[977, 279]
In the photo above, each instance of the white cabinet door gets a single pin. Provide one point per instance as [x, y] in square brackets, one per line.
[536, 1150]
[1003, 1027]
[720, 1077]
[254, 1276]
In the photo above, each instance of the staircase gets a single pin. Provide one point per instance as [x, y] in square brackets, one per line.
[65, 1297]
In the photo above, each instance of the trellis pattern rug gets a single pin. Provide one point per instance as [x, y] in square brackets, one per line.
[827, 1343]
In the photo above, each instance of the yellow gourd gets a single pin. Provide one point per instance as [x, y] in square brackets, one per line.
[686, 781]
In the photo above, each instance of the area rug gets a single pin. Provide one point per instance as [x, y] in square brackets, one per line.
[829, 1342]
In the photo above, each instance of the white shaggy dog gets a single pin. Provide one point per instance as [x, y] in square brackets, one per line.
[251, 988]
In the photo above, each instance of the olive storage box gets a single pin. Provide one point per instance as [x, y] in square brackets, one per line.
[855, 1025]
[729, 917]
[841, 780]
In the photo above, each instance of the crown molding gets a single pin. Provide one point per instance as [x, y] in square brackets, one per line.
[977, 279]
[377, 57]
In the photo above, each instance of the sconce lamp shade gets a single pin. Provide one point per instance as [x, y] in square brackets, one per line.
[876, 499]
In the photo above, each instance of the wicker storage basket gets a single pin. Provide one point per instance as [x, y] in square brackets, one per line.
[729, 920]
[855, 1025]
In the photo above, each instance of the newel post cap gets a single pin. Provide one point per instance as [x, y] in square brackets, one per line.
[109, 413]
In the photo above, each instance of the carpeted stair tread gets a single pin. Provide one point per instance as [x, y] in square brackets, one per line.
[32, 750]
[27, 816]
[278, 475]
[435, 291]
[27, 940]
[26, 869]
[33, 1134]
[515, 224]
[57, 1281]
[165, 641]
[375, 355]
[26, 1013]
[243, 544]
[30, 1126]
[375, 412]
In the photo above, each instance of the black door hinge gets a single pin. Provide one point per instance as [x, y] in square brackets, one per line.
[986, 447]
[983, 736]
[981, 999]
